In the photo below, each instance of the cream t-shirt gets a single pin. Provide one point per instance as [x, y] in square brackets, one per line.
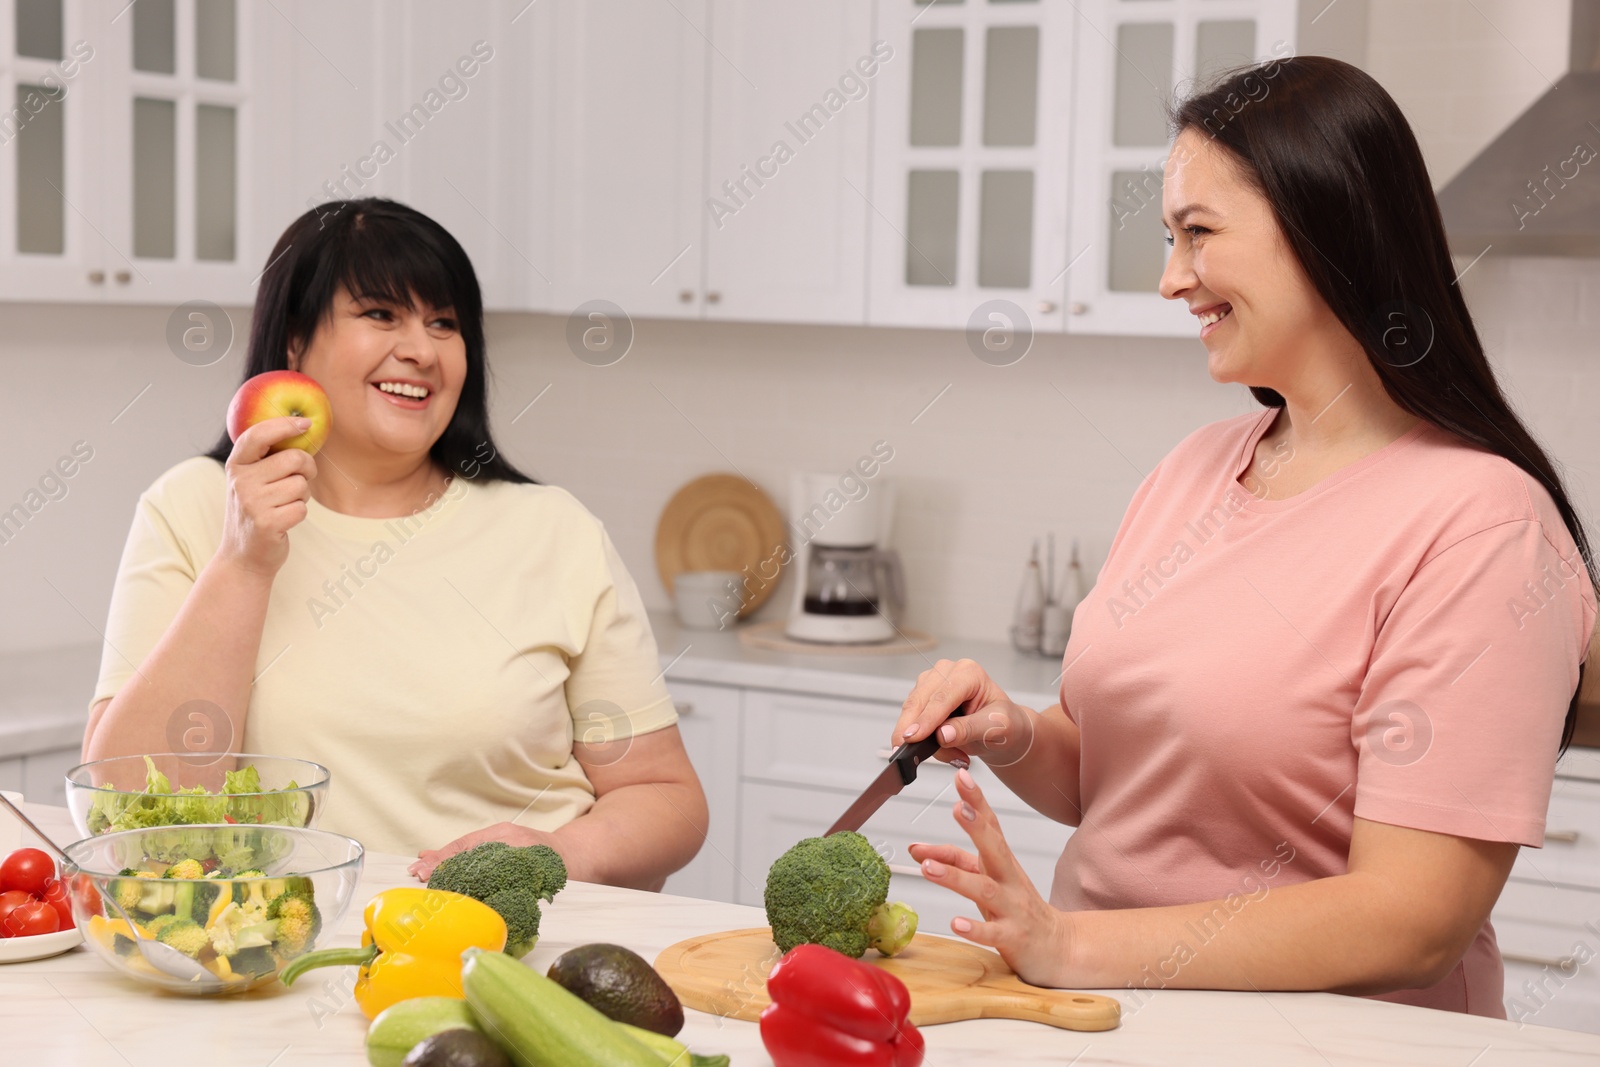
[441, 665]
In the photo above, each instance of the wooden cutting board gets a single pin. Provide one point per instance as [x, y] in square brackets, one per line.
[950, 981]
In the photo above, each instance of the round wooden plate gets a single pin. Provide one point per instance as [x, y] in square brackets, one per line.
[722, 522]
[949, 981]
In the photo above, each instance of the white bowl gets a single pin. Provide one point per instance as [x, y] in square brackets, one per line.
[37, 947]
[707, 600]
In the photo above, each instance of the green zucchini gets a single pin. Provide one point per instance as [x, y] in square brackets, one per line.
[674, 1053]
[538, 1022]
[399, 1027]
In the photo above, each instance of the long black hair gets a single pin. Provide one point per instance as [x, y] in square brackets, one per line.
[1335, 158]
[378, 248]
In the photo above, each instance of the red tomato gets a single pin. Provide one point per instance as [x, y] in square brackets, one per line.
[27, 869]
[55, 895]
[34, 917]
[10, 901]
[88, 896]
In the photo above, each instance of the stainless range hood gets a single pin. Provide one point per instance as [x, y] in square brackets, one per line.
[1536, 189]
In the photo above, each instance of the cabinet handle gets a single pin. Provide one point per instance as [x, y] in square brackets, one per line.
[124, 277]
[1078, 308]
[97, 277]
[1562, 837]
[1537, 961]
[686, 296]
[905, 869]
[1047, 307]
[713, 297]
[683, 708]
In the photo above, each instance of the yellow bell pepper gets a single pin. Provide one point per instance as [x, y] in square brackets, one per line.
[411, 946]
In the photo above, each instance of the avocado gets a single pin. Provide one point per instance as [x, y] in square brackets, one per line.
[618, 983]
[456, 1048]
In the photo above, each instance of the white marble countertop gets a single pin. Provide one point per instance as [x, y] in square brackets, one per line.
[719, 656]
[44, 697]
[72, 1009]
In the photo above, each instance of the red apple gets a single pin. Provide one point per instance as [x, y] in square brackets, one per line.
[277, 393]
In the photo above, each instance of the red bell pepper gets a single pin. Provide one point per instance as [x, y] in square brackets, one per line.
[829, 1010]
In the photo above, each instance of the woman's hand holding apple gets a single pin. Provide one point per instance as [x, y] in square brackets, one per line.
[267, 495]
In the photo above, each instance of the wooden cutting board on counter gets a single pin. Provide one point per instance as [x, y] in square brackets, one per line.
[950, 981]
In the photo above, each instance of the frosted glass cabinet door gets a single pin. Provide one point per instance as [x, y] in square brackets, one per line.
[50, 207]
[175, 158]
[1147, 53]
[969, 175]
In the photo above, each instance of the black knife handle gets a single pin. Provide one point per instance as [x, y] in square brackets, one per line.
[911, 755]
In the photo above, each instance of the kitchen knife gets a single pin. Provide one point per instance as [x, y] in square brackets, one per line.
[901, 772]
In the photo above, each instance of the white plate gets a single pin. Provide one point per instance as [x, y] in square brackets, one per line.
[37, 947]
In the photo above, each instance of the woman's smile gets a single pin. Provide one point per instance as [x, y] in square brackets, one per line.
[1213, 316]
[405, 393]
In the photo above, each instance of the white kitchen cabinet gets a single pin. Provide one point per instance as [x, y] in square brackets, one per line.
[333, 101]
[626, 155]
[51, 112]
[472, 69]
[1547, 920]
[39, 776]
[1132, 58]
[708, 719]
[972, 131]
[129, 176]
[788, 107]
[44, 774]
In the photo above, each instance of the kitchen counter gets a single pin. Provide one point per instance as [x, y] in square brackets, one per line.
[44, 694]
[718, 656]
[44, 697]
[72, 1009]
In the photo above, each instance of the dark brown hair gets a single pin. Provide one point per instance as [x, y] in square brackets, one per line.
[1335, 158]
[382, 249]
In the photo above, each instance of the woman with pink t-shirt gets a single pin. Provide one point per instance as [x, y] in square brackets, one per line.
[1313, 705]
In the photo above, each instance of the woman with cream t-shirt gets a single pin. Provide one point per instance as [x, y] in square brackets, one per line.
[461, 647]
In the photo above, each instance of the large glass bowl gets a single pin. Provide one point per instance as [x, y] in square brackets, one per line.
[111, 795]
[239, 937]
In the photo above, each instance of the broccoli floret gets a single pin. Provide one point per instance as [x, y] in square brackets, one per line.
[299, 921]
[189, 868]
[154, 927]
[832, 891]
[510, 879]
[192, 899]
[126, 890]
[185, 935]
[252, 890]
[258, 959]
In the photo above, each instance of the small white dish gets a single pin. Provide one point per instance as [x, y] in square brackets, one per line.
[37, 947]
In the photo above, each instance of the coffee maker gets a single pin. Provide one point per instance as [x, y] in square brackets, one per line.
[848, 585]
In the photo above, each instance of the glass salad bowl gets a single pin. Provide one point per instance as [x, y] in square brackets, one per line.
[183, 788]
[210, 908]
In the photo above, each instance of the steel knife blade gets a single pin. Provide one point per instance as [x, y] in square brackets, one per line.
[901, 772]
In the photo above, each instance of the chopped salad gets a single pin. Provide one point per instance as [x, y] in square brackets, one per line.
[236, 924]
[242, 800]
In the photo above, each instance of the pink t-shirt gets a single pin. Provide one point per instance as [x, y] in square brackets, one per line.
[1399, 642]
